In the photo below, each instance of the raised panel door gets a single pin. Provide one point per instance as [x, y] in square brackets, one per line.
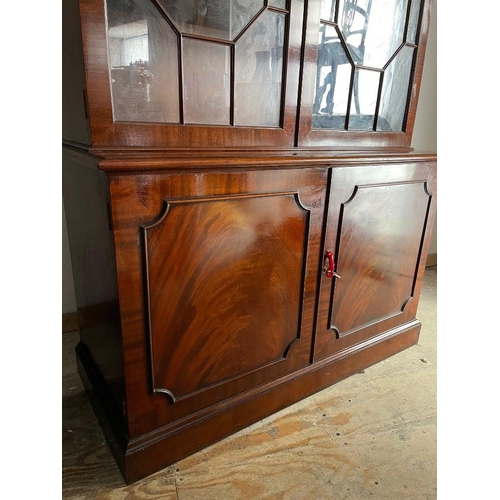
[225, 281]
[217, 274]
[377, 232]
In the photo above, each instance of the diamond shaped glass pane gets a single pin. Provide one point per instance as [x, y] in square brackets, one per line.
[395, 91]
[259, 68]
[372, 30]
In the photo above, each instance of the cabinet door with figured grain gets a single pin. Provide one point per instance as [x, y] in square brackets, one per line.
[225, 287]
[229, 272]
[379, 225]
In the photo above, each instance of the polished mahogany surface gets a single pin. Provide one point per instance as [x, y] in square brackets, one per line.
[202, 198]
[221, 295]
[217, 282]
[377, 252]
[237, 265]
[377, 230]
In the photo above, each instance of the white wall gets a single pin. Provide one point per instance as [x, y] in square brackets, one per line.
[425, 131]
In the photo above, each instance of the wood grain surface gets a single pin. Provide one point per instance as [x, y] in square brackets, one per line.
[372, 435]
[255, 230]
[379, 229]
[205, 243]
[237, 265]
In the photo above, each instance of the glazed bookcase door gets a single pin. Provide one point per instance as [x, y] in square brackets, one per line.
[363, 62]
[192, 73]
[379, 225]
[228, 270]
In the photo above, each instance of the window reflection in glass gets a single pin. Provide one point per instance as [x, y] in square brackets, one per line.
[329, 82]
[385, 30]
[412, 25]
[214, 42]
[327, 10]
[143, 63]
[364, 99]
[281, 4]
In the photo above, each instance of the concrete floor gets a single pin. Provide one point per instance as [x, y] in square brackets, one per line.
[370, 436]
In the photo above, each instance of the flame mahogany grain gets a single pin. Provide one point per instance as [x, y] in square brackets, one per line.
[198, 251]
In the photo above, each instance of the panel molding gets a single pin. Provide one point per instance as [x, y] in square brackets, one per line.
[356, 190]
[146, 228]
[346, 355]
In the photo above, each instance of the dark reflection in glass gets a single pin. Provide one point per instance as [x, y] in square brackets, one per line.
[206, 82]
[365, 90]
[355, 21]
[333, 76]
[395, 90]
[361, 39]
[222, 19]
[143, 63]
[335, 66]
[258, 72]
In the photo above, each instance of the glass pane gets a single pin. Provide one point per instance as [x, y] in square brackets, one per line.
[143, 63]
[206, 82]
[258, 72]
[213, 18]
[364, 99]
[242, 12]
[412, 26]
[281, 4]
[384, 33]
[395, 91]
[333, 77]
[327, 10]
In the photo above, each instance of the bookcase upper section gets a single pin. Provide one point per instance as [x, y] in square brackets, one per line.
[173, 74]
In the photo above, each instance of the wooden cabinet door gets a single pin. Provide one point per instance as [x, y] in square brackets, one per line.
[379, 226]
[228, 274]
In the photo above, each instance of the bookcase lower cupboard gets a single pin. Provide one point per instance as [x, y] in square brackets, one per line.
[217, 295]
